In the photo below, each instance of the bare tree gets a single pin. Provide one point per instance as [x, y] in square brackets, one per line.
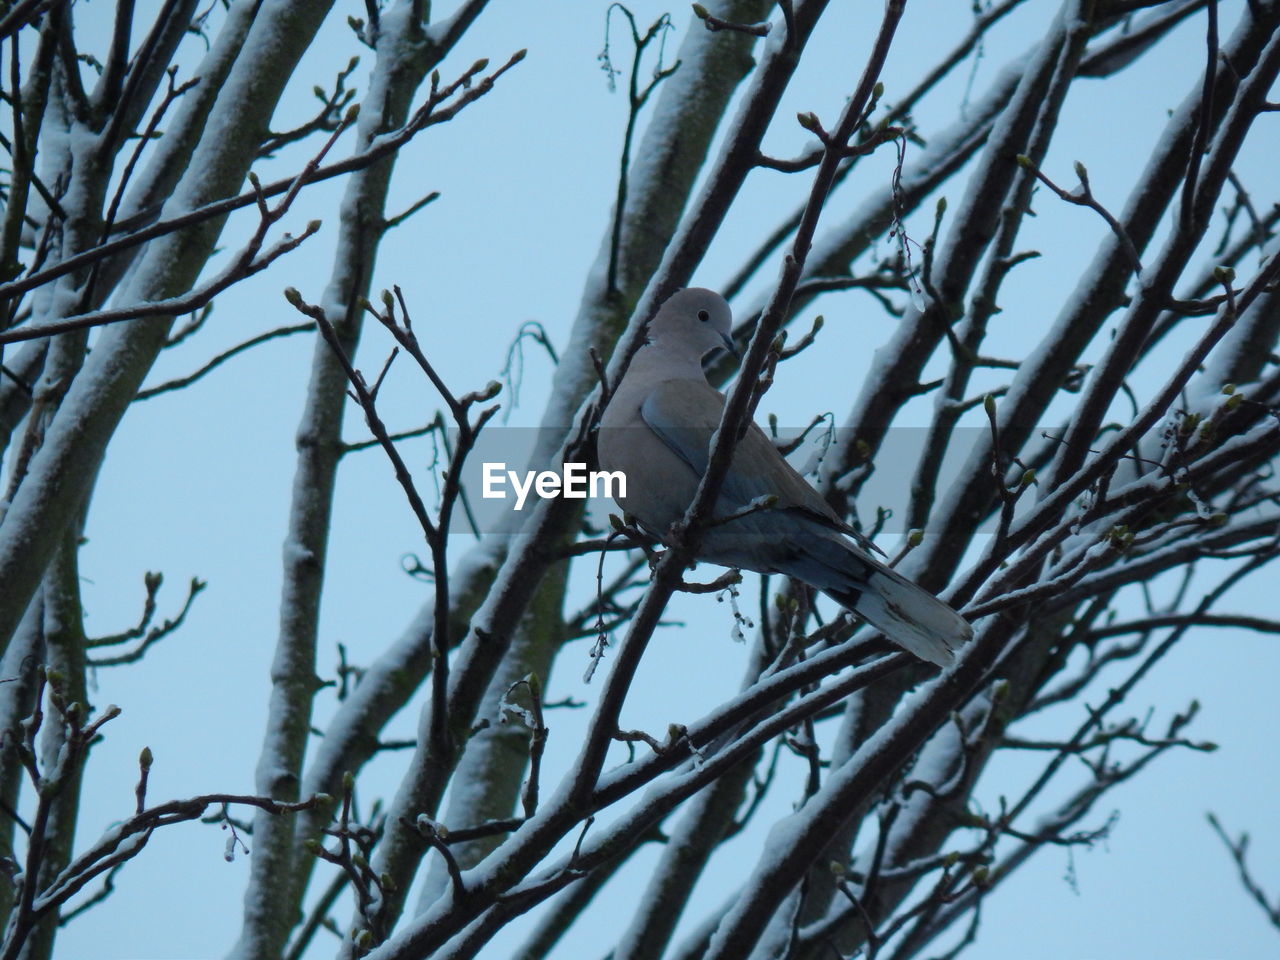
[1082, 553]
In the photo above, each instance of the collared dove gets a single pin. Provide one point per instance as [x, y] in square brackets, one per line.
[657, 430]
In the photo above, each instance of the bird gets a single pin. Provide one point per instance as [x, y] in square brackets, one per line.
[656, 429]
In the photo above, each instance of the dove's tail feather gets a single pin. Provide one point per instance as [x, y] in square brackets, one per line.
[907, 614]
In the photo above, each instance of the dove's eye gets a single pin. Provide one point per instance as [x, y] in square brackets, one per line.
[704, 316]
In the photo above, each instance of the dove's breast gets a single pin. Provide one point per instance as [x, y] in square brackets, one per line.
[659, 485]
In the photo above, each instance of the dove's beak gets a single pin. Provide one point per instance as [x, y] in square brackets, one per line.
[731, 346]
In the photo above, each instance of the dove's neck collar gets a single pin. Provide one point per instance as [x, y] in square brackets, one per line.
[673, 359]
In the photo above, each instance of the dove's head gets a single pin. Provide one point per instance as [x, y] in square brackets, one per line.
[695, 320]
